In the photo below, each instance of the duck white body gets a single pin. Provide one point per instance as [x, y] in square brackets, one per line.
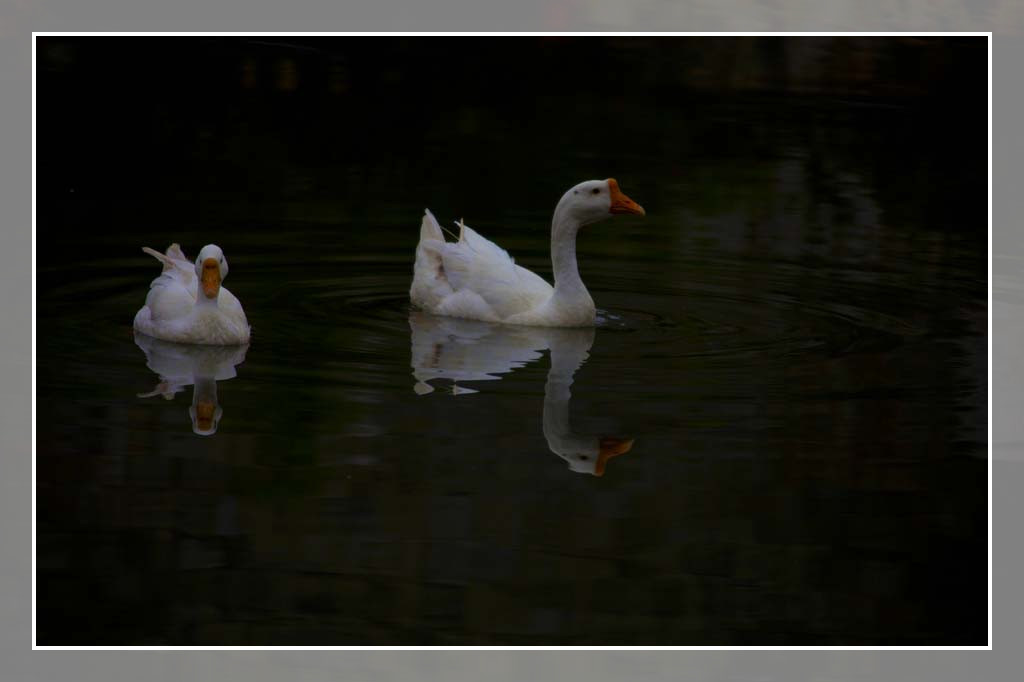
[476, 279]
[187, 304]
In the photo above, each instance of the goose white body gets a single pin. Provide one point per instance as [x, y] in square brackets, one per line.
[177, 310]
[476, 279]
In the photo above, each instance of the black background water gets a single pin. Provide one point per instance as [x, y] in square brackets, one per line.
[795, 337]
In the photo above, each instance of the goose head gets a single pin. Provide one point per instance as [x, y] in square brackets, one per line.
[595, 200]
[211, 269]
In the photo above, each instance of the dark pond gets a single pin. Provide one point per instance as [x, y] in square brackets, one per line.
[791, 354]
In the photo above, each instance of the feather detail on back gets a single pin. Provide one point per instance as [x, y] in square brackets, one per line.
[177, 268]
[430, 282]
[429, 228]
[472, 277]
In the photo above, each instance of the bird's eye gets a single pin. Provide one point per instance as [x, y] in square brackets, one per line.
[222, 261]
[584, 458]
[597, 190]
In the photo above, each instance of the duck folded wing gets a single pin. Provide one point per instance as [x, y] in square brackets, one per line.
[175, 263]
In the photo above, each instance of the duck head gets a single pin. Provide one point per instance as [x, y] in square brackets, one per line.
[211, 269]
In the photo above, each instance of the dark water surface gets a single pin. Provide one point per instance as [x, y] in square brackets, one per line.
[793, 340]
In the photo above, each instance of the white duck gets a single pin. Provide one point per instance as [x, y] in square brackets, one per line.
[474, 278]
[187, 304]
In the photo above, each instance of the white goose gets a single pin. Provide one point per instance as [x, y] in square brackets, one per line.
[187, 304]
[474, 278]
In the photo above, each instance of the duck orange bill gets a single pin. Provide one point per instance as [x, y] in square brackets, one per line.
[610, 447]
[204, 415]
[210, 278]
[621, 203]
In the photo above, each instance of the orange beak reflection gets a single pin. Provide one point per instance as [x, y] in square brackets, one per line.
[621, 203]
[204, 415]
[210, 278]
[611, 447]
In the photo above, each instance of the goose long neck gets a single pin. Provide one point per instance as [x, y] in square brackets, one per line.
[569, 350]
[563, 253]
[557, 394]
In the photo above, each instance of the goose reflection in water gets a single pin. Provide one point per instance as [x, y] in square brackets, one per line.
[467, 350]
[180, 365]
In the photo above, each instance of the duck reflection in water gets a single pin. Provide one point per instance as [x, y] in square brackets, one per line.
[180, 365]
[467, 350]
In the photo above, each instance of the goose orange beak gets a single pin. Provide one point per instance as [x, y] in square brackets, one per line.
[210, 278]
[621, 203]
[611, 447]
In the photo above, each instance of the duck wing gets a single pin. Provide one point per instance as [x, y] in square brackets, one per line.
[172, 293]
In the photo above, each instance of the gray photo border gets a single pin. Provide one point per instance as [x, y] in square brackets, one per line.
[19, 662]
